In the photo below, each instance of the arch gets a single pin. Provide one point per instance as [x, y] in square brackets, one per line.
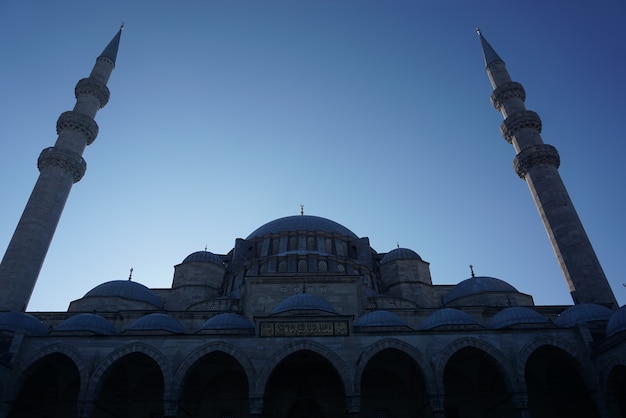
[389, 343]
[48, 384]
[532, 346]
[505, 365]
[301, 345]
[96, 381]
[614, 387]
[176, 388]
[23, 368]
[390, 380]
[214, 378]
[557, 383]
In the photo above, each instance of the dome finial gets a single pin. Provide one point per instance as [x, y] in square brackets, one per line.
[472, 270]
[301, 209]
[130, 275]
[397, 244]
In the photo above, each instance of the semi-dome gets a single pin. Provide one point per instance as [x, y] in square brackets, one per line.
[380, 318]
[301, 223]
[125, 289]
[87, 322]
[203, 256]
[227, 320]
[400, 254]
[582, 314]
[21, 322]
[516, 315]
[447, 317]
[158, 322]
[477, 285]
[304, 302]
[617, 323]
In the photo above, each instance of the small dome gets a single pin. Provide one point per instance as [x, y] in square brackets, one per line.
[125, 289]
[227, 321]
[617, 323]
[516, 315]
[476, 285]
[204, 256]
[158, 322]
[301, 223]
[380, 318]
[21, 322]
[302, 302]
[87, 322]
[581, 314]
[400, 254]
[447, 317]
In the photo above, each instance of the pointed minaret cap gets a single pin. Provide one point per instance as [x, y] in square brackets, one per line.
[489, 54]
[111, 50]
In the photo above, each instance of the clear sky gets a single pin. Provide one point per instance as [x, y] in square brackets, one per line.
[225, 115]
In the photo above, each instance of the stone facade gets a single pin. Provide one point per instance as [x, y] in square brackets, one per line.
[303, 318]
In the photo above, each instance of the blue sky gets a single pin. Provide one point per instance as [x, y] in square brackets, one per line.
[225, 115]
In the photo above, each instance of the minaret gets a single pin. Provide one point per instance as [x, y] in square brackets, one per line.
[59, 168]
[538, 163]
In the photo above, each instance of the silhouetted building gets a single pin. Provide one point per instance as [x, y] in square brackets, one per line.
[302, 318]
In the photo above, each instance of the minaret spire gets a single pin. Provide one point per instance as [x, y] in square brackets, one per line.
[59, 168]
[538, 163]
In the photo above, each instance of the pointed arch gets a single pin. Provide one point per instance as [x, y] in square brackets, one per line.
[24, 368]
[174, 391]
[337, 363]
[97, 379]
[390, 343]
[506, 367]
[613, 385]
[559, 380]
[532, 346]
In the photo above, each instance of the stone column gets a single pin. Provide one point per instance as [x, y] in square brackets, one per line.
[85, 408]
[520, 400]
[438, 405]
[354, 406]
[170, 408]
[256, 407]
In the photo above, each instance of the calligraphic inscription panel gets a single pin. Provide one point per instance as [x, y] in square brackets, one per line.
[304, 329]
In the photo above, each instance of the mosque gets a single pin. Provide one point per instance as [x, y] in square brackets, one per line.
[303, 318]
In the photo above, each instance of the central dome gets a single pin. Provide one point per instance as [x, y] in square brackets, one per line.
[301, 223]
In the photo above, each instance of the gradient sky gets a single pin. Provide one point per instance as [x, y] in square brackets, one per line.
[225, 115]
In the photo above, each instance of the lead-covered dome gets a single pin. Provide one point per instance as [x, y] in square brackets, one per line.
[477, 285]
[204, 256]
[617, 323]
[582, 314]
[516, 315]
[158, 322]
[301, 223]
[400, 254]
[227, 320]
[126, 289]
[380, 318]
[87, 322]
[22, 323]
[448, 317]
[304, 302]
